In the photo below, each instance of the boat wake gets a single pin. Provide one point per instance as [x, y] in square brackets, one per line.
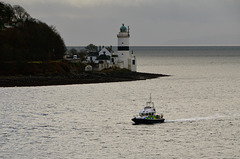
[194, 119]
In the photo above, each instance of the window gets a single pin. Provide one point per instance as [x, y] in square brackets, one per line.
[113, 61]
[133, 62]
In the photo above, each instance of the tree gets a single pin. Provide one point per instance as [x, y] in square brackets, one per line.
[34, 40]
[6, 14]
[91, 47]
[20, 14]
[73, 52]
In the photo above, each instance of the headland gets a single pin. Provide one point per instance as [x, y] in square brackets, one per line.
[81, 78]
[34, 54]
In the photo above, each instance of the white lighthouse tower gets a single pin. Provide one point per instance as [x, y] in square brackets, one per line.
[125, 58]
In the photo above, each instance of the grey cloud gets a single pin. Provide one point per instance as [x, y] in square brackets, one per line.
[153, 23]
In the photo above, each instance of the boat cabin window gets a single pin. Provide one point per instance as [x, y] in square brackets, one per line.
[146, 113]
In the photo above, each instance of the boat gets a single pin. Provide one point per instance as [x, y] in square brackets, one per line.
[148, 115]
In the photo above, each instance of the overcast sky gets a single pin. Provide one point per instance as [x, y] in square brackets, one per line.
[152, 22]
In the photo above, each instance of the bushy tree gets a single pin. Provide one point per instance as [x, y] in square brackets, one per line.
[6, 14]
[20, 14]
[34, 40]
[91, 47]
[73, 51]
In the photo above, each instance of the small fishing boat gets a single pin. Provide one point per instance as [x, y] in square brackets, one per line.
[148, 115]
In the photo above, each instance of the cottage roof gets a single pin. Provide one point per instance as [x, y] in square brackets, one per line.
[103, 57]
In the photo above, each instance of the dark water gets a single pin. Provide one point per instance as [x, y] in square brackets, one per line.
[200, 102]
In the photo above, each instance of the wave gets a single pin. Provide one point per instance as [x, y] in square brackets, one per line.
[194, 119]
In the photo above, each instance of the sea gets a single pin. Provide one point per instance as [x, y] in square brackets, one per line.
[200, 102]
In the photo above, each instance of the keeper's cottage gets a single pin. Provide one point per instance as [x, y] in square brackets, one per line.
[122, 59]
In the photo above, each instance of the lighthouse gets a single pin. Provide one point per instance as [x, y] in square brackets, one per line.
[125, 58]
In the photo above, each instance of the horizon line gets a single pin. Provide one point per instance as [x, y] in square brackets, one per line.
[161, 45]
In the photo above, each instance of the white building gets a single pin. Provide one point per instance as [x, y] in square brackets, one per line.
[98, 56]
[92, 56]
[122, 59]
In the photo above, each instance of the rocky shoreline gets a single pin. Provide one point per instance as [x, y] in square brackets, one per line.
[82, 78]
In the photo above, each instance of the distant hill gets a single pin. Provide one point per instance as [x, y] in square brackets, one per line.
[23, 38]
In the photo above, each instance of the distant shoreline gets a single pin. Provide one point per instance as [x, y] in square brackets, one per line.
[81, 78]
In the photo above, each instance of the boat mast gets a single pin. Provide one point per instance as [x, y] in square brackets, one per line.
[150, 103]
[150, 98]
